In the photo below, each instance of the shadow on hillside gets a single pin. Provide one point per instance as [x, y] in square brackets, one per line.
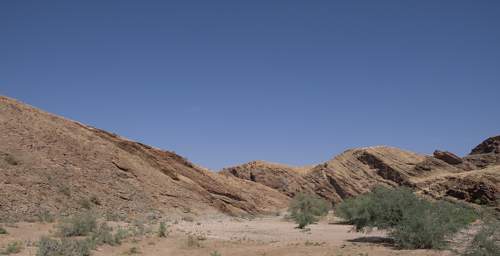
[374, 240]
[339, 222]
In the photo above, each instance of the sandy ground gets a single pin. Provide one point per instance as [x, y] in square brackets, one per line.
[270, 236]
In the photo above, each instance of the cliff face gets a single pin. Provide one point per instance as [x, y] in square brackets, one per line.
[48, 163]
[287, 180]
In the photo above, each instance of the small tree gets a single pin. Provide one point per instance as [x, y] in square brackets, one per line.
[305, 209]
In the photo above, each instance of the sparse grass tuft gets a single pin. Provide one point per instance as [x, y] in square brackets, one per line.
[3, 231]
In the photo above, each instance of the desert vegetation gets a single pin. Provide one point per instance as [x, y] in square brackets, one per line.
[81, 233]
[486, 241]
[305, 209]
[12, 248]
[412, 222]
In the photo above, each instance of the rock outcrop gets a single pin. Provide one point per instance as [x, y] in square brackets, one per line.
[288, 180]
[448, 157]
[490, 145]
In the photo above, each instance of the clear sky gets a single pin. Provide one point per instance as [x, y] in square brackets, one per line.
[225, 82]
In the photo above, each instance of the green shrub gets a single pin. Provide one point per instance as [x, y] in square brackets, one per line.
[412, 222]
[487, 241]
[162, 230]
[11, 248]
[3, 231]
[64, 247]
[305, 209]
[78, 225]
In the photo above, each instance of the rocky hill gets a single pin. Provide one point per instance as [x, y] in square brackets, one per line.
[474, 178]
[49, 164]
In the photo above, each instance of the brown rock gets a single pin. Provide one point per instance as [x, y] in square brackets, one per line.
[286, 179]
[448, 157]
[490, 145]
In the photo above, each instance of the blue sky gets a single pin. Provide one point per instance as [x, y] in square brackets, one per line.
[225, 82]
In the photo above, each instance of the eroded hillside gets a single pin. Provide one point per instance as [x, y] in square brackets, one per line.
[51, 164]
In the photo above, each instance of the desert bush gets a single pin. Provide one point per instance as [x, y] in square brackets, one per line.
[3, 231]
[162, 230]
[120, 235]
[78, 225]
[64, 247]
[139, 228]
[412, 222]
[487, 240]
[305, 209]
[11, 248]
[103, 234]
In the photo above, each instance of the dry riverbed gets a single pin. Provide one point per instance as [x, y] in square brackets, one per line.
[269, 236]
